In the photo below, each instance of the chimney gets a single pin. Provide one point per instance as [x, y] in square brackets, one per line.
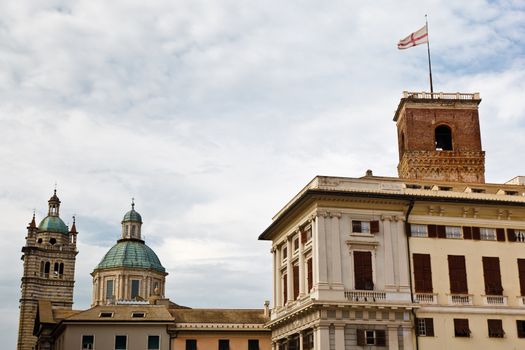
[266, 308]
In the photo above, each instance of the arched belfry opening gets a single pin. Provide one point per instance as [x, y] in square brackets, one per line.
[443, 137]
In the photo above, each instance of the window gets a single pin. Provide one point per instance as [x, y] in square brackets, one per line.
[285, 253]
[42, 268]
[443, 137]
[137, 314]
[61, 270]
[253, 344]
[309, 274]
[511, 193]
[296, 244]
[56, 267]
[461, 328]
[520, 326]
[153, 342]
[495, 328]
[306, 236]
[457, 274]
[445, 188]
[47, 267]
[515, 235]
[365, 226]
[453, 231]
[422, 273]
[295, 272]
[87, 342]
[105, 314]
[363, 270]
[487, 234]
[109, 289]
[308, 340]
[371, 337]
[135, 286]
[224, 344]
[121, 342]
[418, 230]
[425, 327]
[521, 275]
[285, 288]
[191, 344]
[478, 190]
[492, 276]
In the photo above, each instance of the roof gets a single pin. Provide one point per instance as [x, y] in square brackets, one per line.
[402, 189]
[132, 215]
[222, 316]
[53, 224]
[131, 253]
[119, 313]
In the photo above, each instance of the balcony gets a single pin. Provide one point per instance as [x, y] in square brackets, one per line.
[460, 299]
[425, 298]
[441, 95]
[365, 295]
[495, 300]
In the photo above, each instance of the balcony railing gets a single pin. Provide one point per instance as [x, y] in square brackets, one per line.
[365, 295]
[495, 300]
[460, 299]
[425, 298]
[442, 95]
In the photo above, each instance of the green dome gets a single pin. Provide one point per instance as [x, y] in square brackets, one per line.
[53, 224]
[132, 215]
[132, 254]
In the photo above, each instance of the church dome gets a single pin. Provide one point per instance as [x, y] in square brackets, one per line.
[53, 224]
[132, 215]
[131, 254]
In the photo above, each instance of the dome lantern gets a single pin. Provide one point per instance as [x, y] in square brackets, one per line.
[132, 223]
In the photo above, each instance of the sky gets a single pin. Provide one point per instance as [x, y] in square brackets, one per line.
[213, 114]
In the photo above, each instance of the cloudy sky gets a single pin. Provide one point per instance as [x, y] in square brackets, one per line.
[212, 114]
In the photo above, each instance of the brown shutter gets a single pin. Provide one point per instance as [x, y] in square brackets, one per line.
[500, 234]
[363, 270]
[475, 233]
[467, 232]
[310, 274]
[295, 282]
[520, 326]
[461, 328]
[492, 276]
[380, 337]
[374, 226]
[495, 328]
[408, 229]
[429, 327]
[303, 237]
[521, 274]
[511, 235]
[432, 231]
[361, 337]
[356, 226]
[441, 231]
[285, 288]
[457, 274]
[422, 273]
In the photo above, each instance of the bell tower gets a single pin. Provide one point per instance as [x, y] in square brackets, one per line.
[49, 269]
[439, 137]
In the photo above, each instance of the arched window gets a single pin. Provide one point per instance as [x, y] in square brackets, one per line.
[61, 270]
[55, 269]
[47, 266]
[41, 268]
[132, 230]
[443, 135]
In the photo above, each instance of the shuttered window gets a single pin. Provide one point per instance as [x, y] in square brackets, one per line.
[371, 337]
[492, 276]
[441, 231]
[295, 282]
[432, 231]
[511, 235]
[224, 344]
[521, 274]
[285, 288]
[461, 328]
[520, 327]
[476, 235]
[495, 328]
[309, 274]
[365, 226]
[363, 270]
[425, 327]
[500, 234]
[457, 274]
[374, 226]
[191, 344]
[467, 232]
[422, 273]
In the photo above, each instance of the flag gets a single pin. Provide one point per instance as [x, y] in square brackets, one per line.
[416, 38]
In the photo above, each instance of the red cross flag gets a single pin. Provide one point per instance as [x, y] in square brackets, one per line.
[416, 38]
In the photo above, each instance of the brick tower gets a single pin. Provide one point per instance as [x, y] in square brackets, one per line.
[439, 137]
[49, 269]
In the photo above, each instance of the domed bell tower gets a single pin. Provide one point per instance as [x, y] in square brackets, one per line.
[49, 269]
[439, 137]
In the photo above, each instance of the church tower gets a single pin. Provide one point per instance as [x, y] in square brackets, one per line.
[439, 137]
[49, 269]
[130, 271]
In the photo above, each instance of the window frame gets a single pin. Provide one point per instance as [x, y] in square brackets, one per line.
[253, 344]
[92, 342]
[131, 289]
[496, 331]
[425, 327]
[418, 232]
[487, 234]
[125, 337]
[191, 344]
[459, 328]
[158, 338]
[453, 235]
[223, 344]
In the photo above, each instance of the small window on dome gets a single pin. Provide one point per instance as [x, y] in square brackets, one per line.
[105, 314]
[52, 241]
[132, 230]
[39, 240]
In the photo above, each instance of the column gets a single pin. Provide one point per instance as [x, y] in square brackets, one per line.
[301, 333]
[392, 337]
[278, 292]
[322, 338]
[322, 273]
[340, 337]
[274, 281]
[390, 282]
[403, 256]
[302, 267]
[289, 268]
[408, 338]
[337, 275]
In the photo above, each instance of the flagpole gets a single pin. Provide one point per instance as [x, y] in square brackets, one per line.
[429, 64]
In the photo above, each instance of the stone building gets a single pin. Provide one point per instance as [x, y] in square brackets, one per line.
[49, 269]
[431, 259]
[130, 270]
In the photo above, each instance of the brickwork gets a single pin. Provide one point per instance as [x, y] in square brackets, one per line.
[55, 283]
[419, 155]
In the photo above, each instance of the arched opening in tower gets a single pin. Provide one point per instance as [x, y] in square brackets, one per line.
[443, 137]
